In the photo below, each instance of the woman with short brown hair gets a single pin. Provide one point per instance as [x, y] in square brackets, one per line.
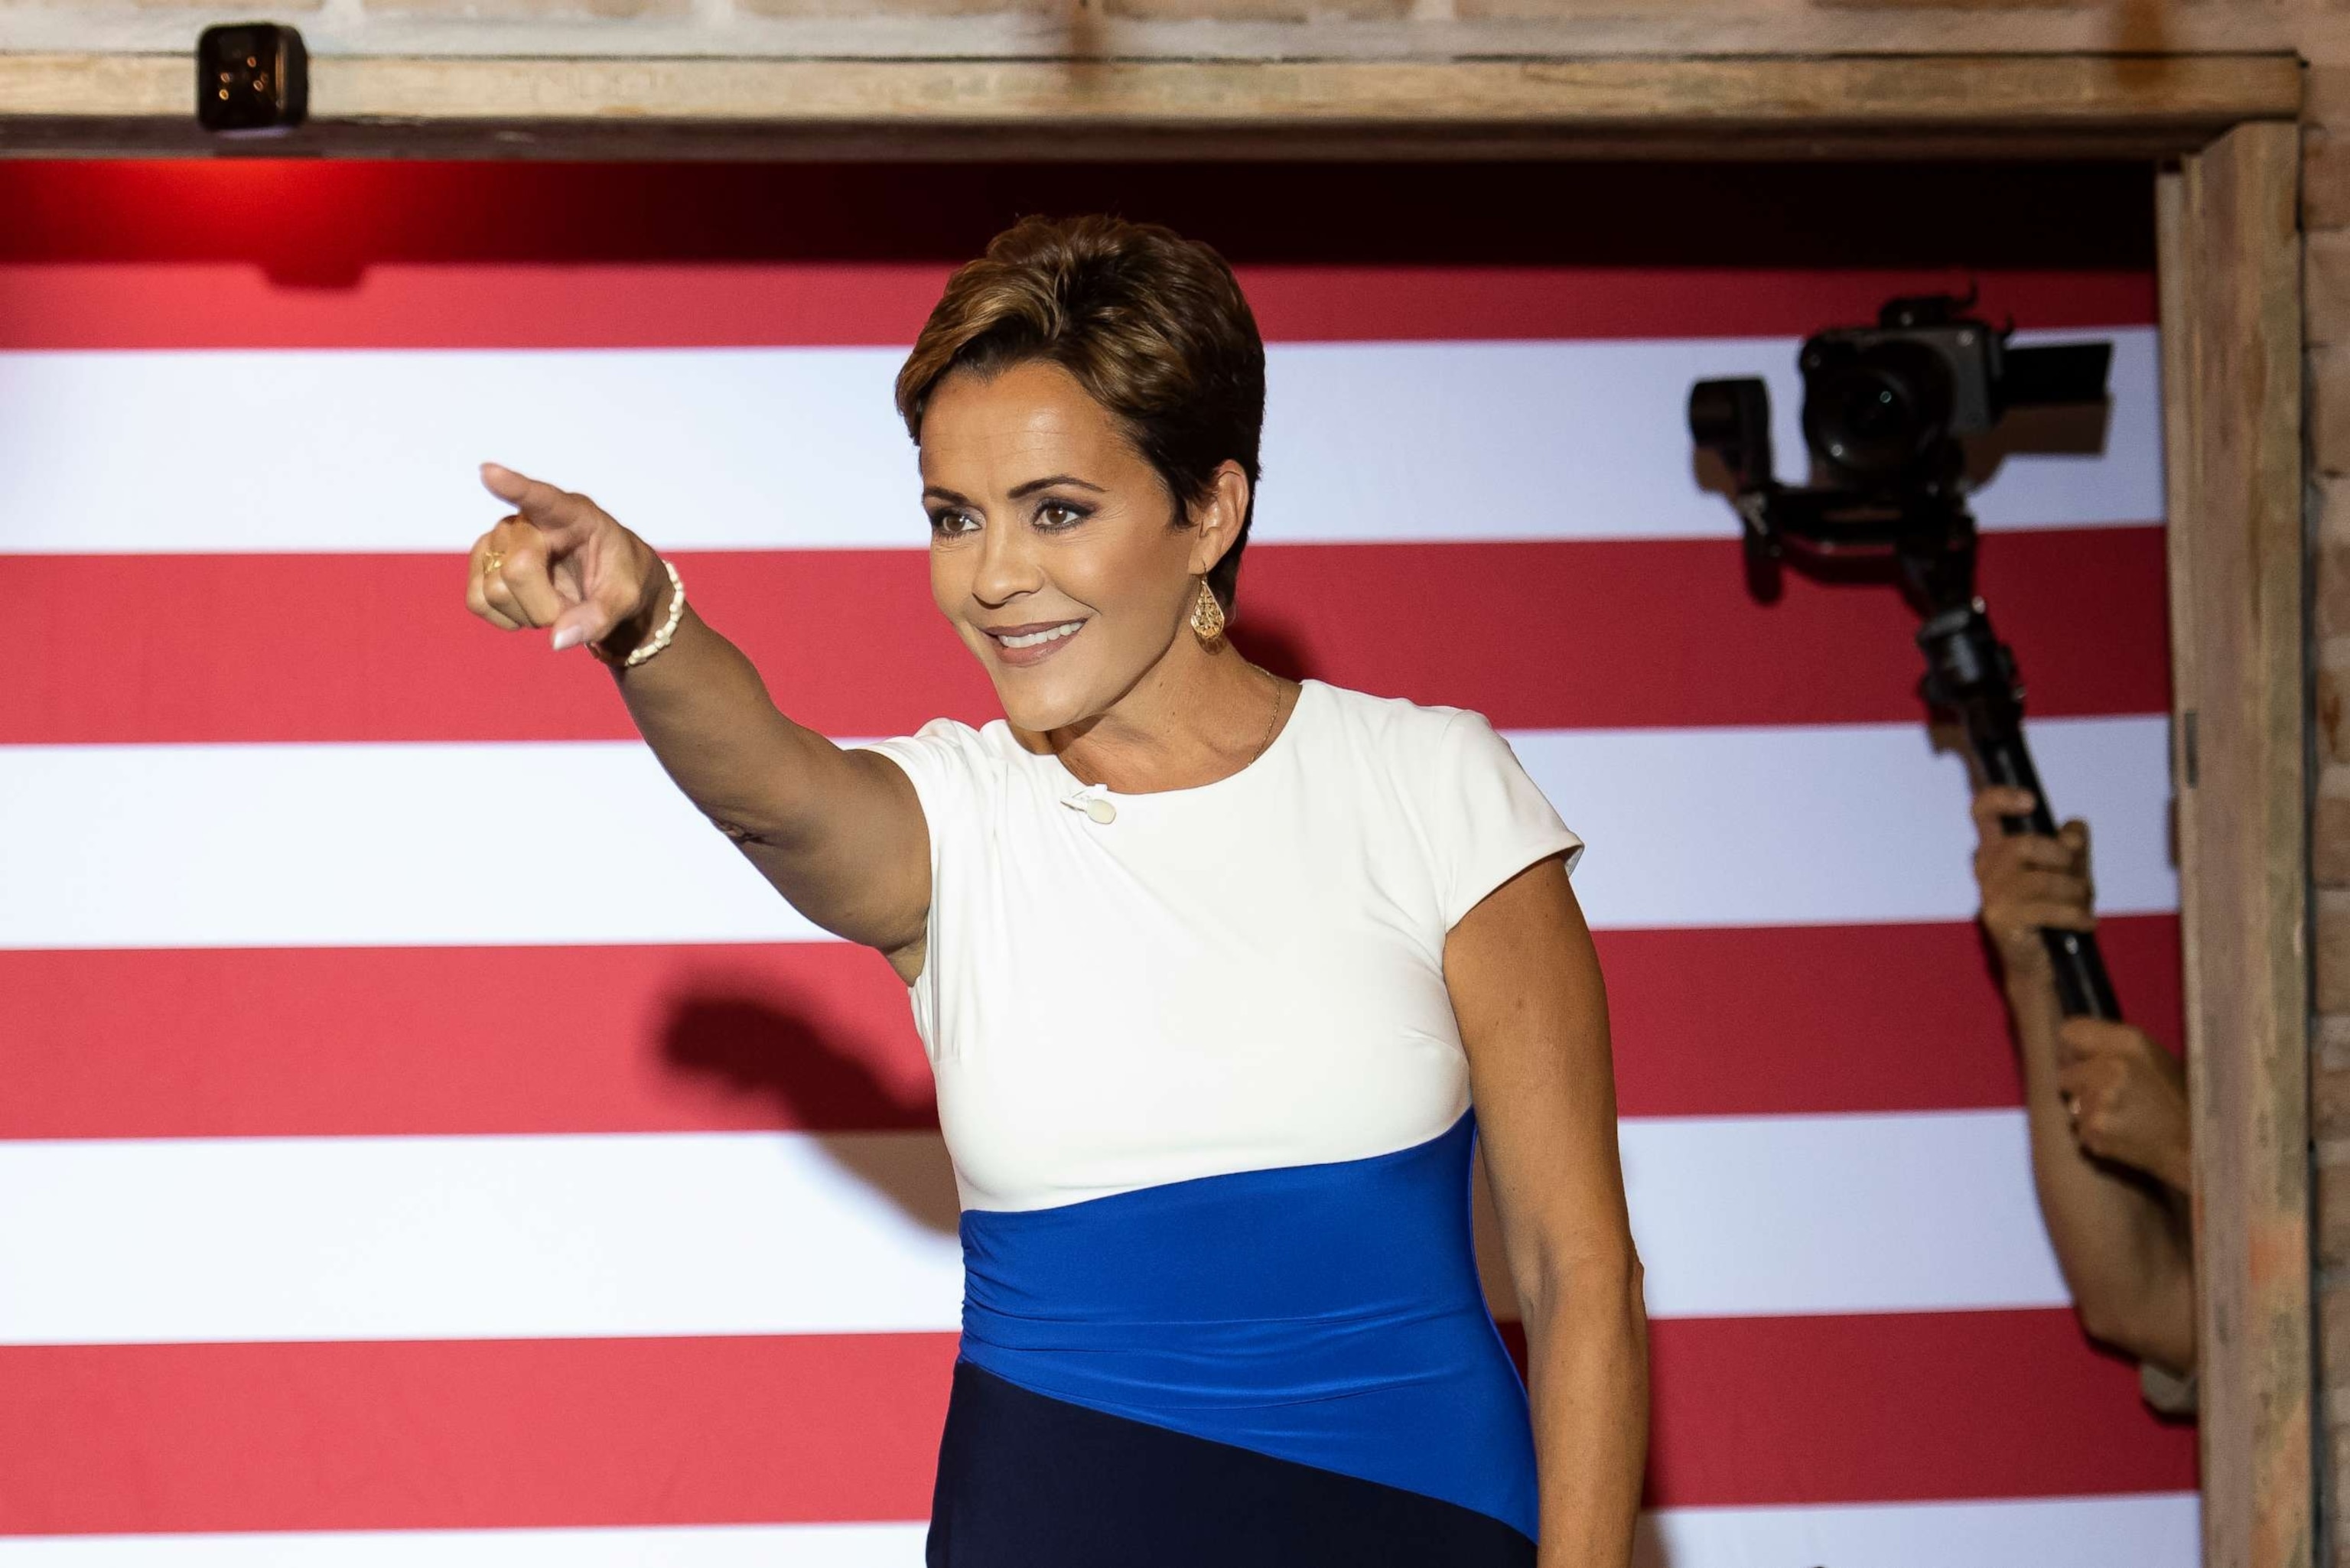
[1210, 968]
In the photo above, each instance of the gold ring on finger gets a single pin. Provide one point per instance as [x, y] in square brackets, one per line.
[492, 562]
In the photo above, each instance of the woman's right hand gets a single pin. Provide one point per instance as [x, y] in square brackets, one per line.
[2029, 881]
[562, 561]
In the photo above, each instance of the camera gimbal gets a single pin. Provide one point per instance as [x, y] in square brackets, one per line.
[1884, 408]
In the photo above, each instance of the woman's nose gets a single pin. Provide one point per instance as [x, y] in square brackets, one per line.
[1006, 566]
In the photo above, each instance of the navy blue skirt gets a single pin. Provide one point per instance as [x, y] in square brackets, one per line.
[1291, 1366]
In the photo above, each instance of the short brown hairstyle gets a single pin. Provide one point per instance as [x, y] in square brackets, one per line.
[1153, 326]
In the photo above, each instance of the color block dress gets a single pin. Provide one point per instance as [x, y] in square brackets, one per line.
[1209, 1113]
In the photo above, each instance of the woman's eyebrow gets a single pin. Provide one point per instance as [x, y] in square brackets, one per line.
[1034, 485]
[944, 493]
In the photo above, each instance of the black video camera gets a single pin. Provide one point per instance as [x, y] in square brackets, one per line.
[1886, 406]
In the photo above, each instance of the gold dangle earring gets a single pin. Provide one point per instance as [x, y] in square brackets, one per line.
[1207, 615]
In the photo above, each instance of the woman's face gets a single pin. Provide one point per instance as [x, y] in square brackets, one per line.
[1045, 519]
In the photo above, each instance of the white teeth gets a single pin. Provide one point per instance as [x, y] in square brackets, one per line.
[1034, 638]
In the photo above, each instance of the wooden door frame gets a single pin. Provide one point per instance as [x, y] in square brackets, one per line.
[2227, 222]
[1884, 105]
[2222, 125]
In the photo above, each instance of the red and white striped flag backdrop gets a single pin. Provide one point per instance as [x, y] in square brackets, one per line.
[415, 1118]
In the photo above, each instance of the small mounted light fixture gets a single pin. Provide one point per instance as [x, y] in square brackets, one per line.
[251, 78]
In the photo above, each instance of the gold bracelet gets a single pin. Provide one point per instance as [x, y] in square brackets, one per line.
[659, 639]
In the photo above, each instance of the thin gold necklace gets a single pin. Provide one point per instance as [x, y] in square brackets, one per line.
[1269, 723]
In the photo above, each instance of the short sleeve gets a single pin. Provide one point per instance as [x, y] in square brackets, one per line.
[941, 759]
[1488, 818]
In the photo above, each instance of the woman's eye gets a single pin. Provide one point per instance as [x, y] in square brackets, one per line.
[1059, 514]
[950, 522]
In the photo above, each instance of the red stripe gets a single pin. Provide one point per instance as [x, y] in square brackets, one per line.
[1795, 1020]
[362, 1040]
[491, 1434]
[1753, 1411]
[1605, 634]
[353, 1041]
[468, 1433]
[258, 253]
[678, 305]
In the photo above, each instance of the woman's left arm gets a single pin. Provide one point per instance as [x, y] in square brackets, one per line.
[1533, 1011]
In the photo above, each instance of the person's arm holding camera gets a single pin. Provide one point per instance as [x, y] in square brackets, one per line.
[2106, 1105]
[838, 832]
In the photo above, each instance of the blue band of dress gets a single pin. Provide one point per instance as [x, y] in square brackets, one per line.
[1327, 1314]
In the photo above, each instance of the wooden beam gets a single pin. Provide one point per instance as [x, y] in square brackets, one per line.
[2052, 104]
[2231, 327]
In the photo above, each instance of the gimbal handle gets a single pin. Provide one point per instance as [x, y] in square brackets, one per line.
[1971, 673]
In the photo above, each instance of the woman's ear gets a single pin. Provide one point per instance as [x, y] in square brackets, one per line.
[1219, 514]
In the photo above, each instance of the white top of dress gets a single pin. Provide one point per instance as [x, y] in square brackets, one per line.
[1234, 977]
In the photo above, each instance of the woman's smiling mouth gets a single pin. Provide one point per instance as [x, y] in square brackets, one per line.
[1036, 640]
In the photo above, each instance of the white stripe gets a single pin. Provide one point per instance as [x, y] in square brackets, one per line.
[688, 1546]
[746, 448]
[682, 1233]
[334, 844]
[2149, 1530]
[2154, 1530]
[1831, 825]
[1918, 1212]
[489, 1237]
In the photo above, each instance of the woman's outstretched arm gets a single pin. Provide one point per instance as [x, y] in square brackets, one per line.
[839, 833]
[1526, 990]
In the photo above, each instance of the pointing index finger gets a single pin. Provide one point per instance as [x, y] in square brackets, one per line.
[548, 507]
